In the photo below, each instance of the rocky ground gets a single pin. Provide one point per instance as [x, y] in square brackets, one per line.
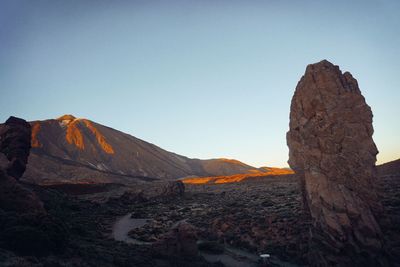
[263, 216]
[260, 216]
[81, 236]
[389, 192]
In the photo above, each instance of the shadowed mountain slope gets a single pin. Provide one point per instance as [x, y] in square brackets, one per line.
[72, 150]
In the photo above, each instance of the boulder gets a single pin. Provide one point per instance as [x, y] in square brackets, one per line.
[18, 198]
[173, 188]
[180, 241]
[167, 189]
[332, 151]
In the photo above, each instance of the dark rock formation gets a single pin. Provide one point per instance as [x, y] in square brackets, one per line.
[331, 149]
[17, 198]
[180, 241]
[161, 190]
[26, 227]
[15, 143]
[171, 189]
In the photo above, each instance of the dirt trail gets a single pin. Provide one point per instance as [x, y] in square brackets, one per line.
[125, 224]
[232, 257]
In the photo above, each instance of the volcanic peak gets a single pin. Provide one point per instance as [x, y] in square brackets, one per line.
[73, 133]
[66, 118]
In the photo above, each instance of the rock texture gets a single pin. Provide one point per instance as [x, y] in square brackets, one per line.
[171, 189]
[332, 150]
[180, 241]
[17, 198]
[26, 227]
[391, 168]
[146, 192]
[15, 144]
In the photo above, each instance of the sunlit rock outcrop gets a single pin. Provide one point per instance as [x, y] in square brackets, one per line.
[235, 178]
[332, 150]
[74, 134]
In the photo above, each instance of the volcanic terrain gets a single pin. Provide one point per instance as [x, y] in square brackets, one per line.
[72, 150]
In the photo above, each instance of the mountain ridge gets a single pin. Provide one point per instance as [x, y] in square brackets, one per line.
[69, 149]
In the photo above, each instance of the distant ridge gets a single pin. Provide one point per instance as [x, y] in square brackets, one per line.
[261, 172]
[389, 168]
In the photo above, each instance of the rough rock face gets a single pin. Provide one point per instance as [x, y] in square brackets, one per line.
[391, 168]
[15, 197]
[15, 140]
[26, 227]
[171, 189]
[15, 144]
[331, 149]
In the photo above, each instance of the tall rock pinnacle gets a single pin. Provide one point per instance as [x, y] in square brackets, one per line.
[332, 151]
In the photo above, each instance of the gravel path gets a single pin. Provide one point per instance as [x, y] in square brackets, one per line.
[125, 224]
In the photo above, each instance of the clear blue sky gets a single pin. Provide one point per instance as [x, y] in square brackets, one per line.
[204, 79]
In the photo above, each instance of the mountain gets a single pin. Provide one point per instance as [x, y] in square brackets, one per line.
[73, 150]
